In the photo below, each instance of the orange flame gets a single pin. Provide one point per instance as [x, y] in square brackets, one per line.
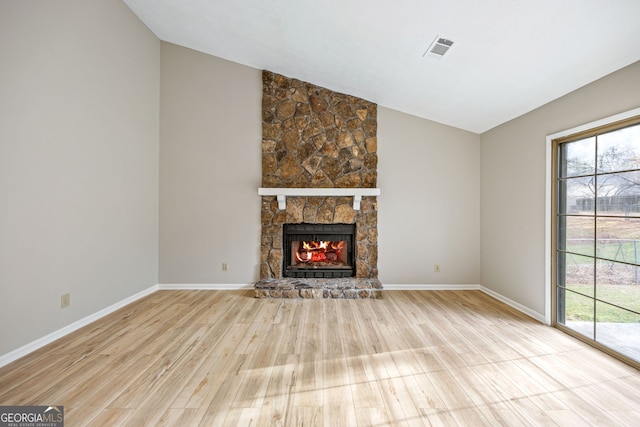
[319, 251]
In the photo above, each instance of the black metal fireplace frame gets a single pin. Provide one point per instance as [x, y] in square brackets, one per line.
[316, 232]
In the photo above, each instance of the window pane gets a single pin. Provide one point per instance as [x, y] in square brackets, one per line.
[619, 150]
[619, 239]
[619, 194]
[577, 196]
[618, 329]
[578, 274]
[617, 286]
[580, 235]
[615, 273]
[577, 158]
[578, 312]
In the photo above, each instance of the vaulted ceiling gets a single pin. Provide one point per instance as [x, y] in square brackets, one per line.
[508, 56]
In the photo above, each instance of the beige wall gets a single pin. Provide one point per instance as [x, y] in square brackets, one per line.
[513, 183]
[79, 127]
[429, 207]
[210, 169]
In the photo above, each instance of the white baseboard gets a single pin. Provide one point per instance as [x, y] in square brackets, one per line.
[7, 358]
[471, 287]
[436, 287]
[206, 286]
[521, 308]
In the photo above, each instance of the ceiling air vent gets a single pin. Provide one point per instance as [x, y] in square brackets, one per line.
[438, 47]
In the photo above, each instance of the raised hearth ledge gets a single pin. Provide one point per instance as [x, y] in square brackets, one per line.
[282, 193]
[347, 287]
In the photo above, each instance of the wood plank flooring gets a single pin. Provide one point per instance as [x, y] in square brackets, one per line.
[413, 358]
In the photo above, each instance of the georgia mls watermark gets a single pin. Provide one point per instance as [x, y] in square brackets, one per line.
[31, 416]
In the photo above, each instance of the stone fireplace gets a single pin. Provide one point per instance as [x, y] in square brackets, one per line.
[319, 177]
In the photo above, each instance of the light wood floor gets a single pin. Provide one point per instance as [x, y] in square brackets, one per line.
[188, 358]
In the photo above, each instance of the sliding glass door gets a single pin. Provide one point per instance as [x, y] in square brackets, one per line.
[597, 236]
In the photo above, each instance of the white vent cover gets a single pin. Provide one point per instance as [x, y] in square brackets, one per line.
[438, 47]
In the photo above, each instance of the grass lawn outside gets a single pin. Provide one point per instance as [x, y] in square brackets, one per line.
[581, 308]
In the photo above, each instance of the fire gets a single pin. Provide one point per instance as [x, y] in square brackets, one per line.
[320, 251]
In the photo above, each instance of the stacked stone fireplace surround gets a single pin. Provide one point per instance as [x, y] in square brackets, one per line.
[316, 138]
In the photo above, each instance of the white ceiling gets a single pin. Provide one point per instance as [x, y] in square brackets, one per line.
[509, 56]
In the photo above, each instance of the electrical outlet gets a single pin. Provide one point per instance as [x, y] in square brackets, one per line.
[65, 300]
[436, 268]
[225, 267]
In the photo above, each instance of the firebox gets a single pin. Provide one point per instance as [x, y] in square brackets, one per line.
[319, 250]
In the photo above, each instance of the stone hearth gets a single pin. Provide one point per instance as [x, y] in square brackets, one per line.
[317, 138]
[351, 288]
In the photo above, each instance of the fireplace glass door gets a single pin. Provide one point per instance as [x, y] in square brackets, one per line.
[319, 250]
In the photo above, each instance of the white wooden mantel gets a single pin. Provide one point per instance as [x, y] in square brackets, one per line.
[282, 193]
